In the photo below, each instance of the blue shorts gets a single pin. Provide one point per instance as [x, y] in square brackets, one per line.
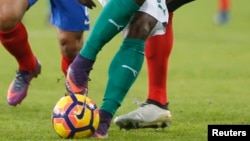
[31, 2]
[69, 15]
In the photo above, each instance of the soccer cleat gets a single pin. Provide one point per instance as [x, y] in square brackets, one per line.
[19, 86]
[146, 116]
[102, 130]
[75, 81]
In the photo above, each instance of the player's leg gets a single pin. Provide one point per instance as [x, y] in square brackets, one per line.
[70, 27]
[223, 16]
[154, 112]
[157, 100]
[14, 38]
[127, 62]
[124, 68]
[106, 27]
[70, 44]
[157, 61]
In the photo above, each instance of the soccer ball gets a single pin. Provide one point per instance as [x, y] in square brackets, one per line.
[75, 116]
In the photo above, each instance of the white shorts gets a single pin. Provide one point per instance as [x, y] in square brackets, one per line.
[156, 9]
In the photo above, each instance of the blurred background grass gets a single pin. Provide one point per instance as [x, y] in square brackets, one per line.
[208, 80]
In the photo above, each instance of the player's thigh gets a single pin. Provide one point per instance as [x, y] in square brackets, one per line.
[140, 26]
[11, 12]
[70, 42]
[69, 36]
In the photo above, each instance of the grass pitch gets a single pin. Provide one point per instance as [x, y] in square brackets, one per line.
[208, 80]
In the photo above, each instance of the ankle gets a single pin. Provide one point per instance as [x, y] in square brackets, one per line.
[165, 106]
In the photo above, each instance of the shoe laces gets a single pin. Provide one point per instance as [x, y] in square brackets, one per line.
[22, 78]
[80, 80]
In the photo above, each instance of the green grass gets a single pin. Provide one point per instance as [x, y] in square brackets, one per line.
[208, 80]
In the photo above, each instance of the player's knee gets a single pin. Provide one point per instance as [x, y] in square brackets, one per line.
[70, 52]
[70, 43]
[70, 48]
[7, 22]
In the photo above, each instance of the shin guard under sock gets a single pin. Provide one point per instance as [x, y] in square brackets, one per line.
[123, 72]
[16, 43]
[157, 52]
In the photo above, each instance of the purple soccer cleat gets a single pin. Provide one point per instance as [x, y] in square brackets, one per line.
[102, 130]
[75, 82]
[19, 86]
